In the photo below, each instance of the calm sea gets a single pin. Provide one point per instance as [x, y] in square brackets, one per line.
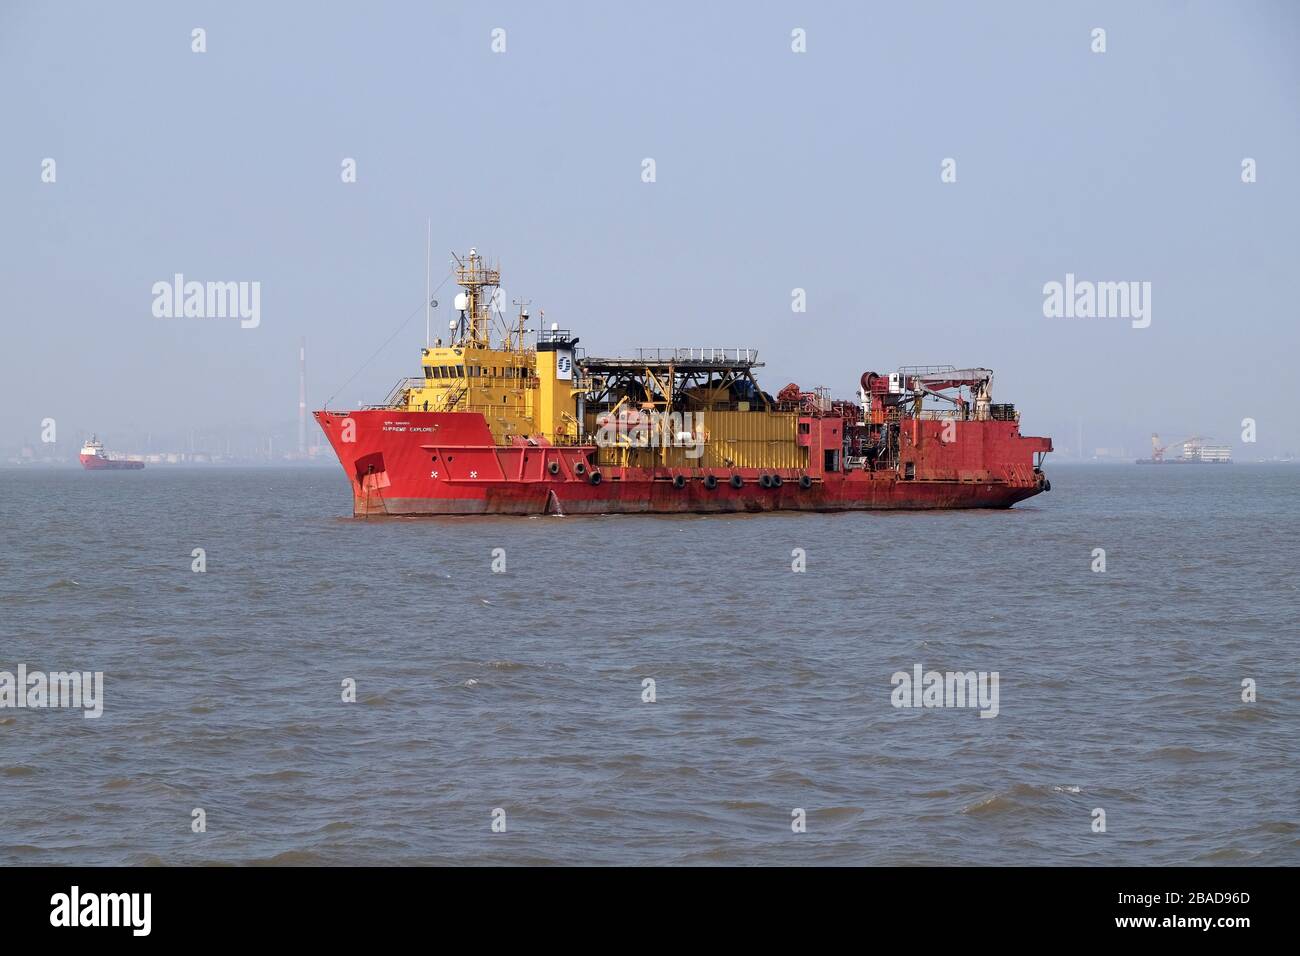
[523, 692]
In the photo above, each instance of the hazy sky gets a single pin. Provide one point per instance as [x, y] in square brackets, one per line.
[775, 170]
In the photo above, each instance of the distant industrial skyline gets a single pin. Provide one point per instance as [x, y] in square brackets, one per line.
[298, 437]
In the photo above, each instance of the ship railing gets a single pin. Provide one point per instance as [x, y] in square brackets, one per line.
[721, 356]
[399, 392]
[451, 400]
[755, 404]
[910, 370]
[488, 411]
[941, 414]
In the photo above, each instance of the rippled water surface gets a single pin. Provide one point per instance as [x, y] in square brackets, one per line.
[523, 691]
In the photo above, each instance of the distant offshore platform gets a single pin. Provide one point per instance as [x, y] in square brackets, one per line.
[1195, 451]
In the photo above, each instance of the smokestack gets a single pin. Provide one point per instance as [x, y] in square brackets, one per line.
[302, 398]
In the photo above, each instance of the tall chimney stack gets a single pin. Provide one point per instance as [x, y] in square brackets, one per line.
[302, 398]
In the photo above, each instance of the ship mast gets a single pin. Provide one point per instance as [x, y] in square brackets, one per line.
[475, 276]
[428, 265]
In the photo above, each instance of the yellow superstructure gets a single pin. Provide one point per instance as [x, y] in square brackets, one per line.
[726, 439]
[523, 392]
[533, 386]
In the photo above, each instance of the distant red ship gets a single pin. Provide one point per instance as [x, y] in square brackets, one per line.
[93, 458]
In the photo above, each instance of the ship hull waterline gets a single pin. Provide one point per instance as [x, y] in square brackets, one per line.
[659, 497]
[93, 463]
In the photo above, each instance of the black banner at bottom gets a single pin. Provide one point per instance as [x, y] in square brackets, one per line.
[337, 905]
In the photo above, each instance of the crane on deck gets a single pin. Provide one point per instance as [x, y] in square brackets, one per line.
[1158, 450]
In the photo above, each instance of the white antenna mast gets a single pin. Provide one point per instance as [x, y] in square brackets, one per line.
[428, 233]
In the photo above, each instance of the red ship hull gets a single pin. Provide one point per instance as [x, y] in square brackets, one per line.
[95, 463]
[445, 463]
